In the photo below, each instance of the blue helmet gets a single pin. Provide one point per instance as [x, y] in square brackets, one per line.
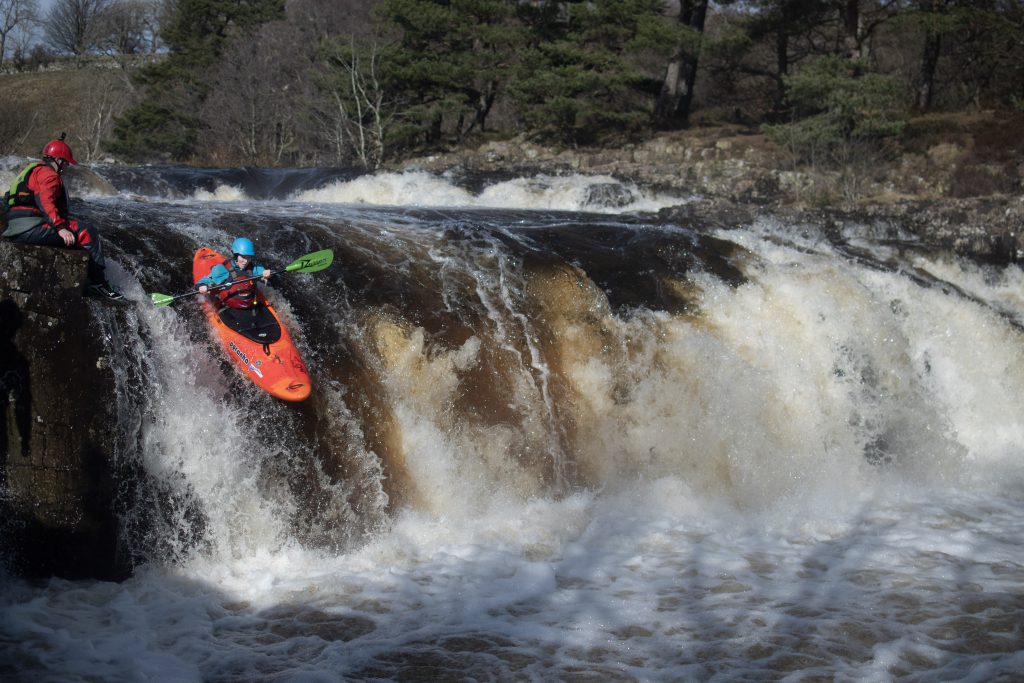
[243, 246]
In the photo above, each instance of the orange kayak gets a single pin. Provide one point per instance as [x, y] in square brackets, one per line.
[254, 339]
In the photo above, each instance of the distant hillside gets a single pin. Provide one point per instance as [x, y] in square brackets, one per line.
[80, 98]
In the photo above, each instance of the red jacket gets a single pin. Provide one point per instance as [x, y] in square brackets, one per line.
[241, 294]
[41, 193]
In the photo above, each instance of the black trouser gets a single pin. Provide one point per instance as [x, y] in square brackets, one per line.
[85, 238]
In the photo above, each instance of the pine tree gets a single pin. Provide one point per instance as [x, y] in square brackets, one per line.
[164, 123]
[839, 107]
[579, 80]
[448, 64]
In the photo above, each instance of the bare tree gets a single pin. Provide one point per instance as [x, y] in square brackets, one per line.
[121, 28]
[354, 113]
[252, 115]
[327, 18]
[96, 112]
[74, 25]
[156, 16]
[24, 48]
[14, 14]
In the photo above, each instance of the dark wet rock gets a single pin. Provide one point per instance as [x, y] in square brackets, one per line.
[988, 230]
[56, 441]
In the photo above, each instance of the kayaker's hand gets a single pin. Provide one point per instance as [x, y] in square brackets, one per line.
[266, 275]
[67, 236]
[203, 289]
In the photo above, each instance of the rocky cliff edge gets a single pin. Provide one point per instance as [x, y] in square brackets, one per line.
[57, 441]
[955, 184]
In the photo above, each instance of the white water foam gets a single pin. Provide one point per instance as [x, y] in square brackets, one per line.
[737, 530]
[418, 188]
[222, 193]
[653, 583]
[575, 192]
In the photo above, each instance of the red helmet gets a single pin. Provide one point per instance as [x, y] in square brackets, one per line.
[58, 149]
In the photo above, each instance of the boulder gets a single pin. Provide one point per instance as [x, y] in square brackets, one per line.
[57, 394]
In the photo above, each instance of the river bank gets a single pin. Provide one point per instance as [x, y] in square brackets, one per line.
[952, 182]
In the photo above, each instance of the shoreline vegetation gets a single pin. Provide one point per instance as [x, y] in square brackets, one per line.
[902, 114]
[955, 181]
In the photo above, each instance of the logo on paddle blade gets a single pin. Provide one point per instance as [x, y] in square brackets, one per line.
[310, 263]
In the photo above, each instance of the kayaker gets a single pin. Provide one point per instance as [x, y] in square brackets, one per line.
[37, 213]
[240, 266]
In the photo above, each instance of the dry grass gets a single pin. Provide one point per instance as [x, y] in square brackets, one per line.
[38, 106]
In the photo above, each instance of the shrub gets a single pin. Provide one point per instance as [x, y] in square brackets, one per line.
[836, 107]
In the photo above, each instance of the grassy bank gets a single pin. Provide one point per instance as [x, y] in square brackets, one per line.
[82, 101]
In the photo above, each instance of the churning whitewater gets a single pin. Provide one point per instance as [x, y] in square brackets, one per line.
[554, 435]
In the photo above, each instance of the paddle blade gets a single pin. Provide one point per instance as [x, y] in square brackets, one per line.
[311, 263]
[161, 299]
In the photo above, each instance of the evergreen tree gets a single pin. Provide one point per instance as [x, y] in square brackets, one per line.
[838, 106]
[577, 82]
[165, 122]
[792, 28]
[968, 49]
[448, 63]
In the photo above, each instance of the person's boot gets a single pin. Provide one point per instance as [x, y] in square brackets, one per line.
[103, 290]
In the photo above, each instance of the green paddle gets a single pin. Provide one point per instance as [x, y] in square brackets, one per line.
[310, 263]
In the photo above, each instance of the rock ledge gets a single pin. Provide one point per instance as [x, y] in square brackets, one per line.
[57, 441]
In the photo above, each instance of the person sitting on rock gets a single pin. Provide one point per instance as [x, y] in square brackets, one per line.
[37, 213]
[242, 265]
